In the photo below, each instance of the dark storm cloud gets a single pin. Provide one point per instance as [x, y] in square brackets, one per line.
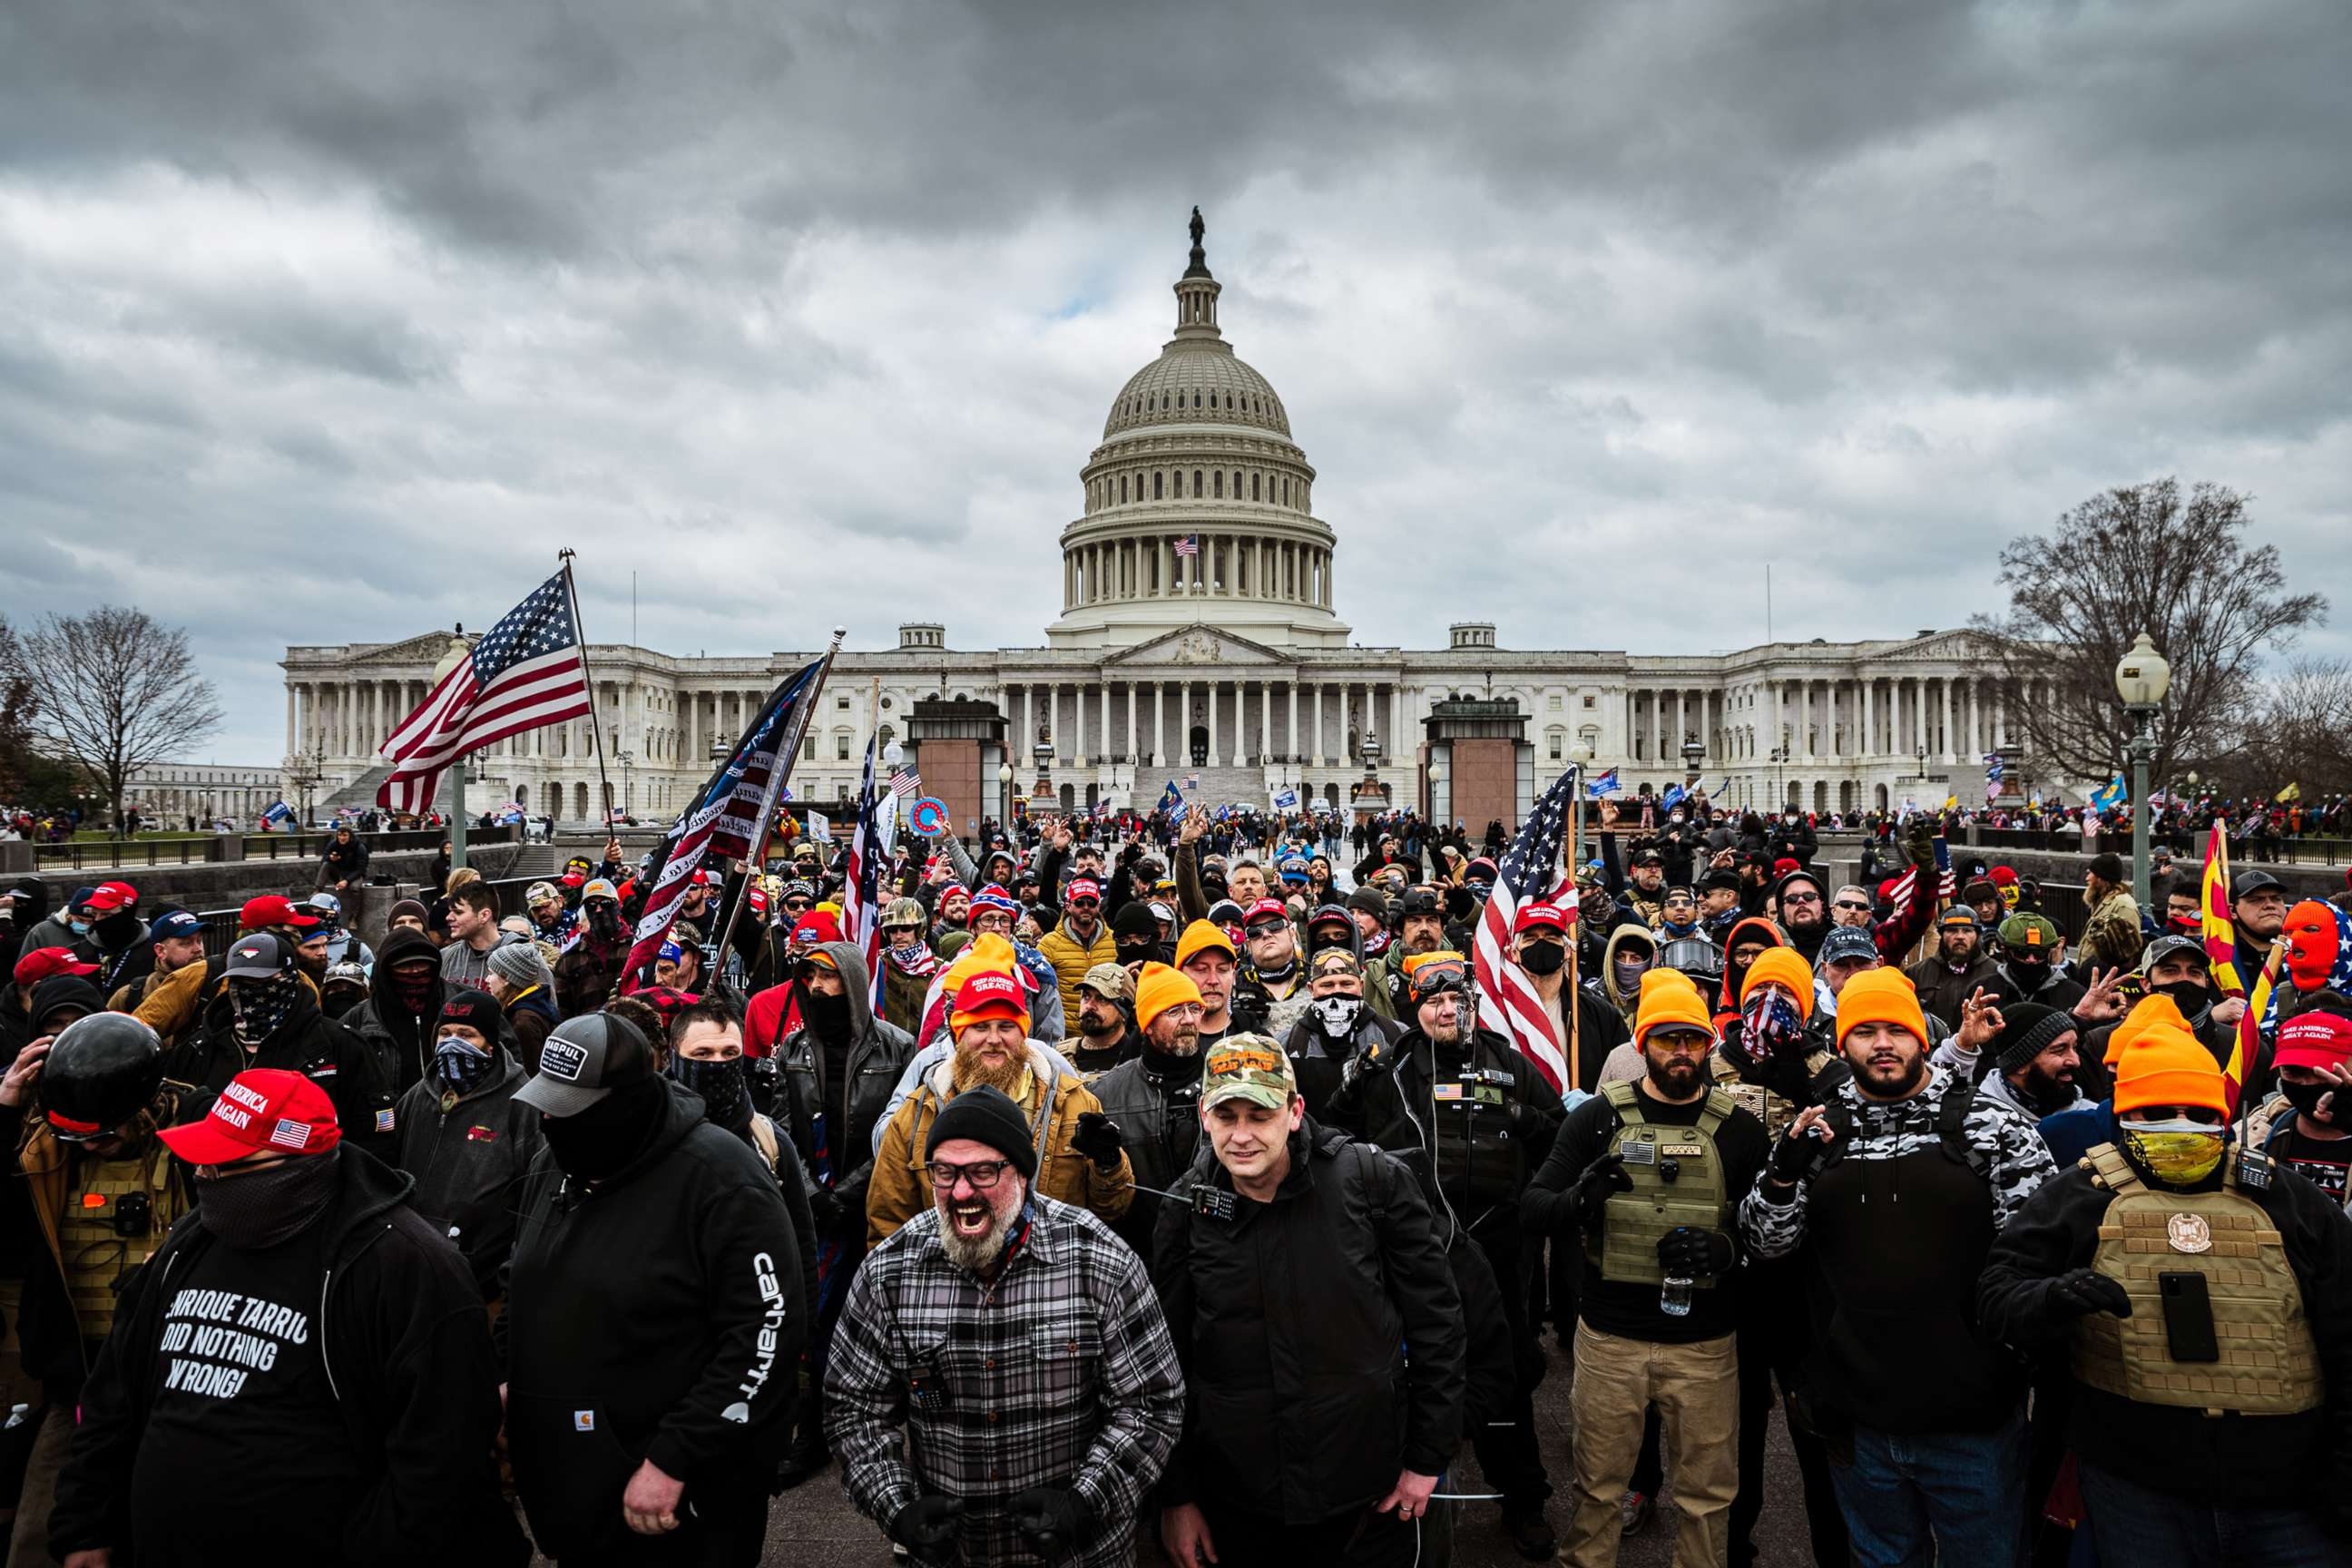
[321, 323]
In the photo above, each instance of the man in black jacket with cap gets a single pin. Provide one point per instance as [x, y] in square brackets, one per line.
[654, 1315]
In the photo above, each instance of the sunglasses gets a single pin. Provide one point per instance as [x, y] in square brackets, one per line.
[1265, 927]
[1850, 904]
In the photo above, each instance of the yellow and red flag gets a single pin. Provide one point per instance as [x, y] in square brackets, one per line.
[2219, 932]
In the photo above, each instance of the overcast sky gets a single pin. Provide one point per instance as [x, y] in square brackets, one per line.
[322, 323]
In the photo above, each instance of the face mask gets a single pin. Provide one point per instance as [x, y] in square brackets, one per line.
[2189, 995]
[605, 921]
[2181, 1153]
[2305, 1097]
[259, 1007]
[1629, 973]
[117, 930]
[1336, 1016]
[1676, 820]
[1769, 1024]
[2028, 977]
[827, 1015]
[79, 928]
[414, 992]
[460, 1065]
[719, 1083]
[263, 1208]
[602, 1140]
[1543, 958]
[342, 999]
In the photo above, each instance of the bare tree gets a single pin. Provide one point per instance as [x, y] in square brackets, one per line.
[2298, 734]
[113, 691]
[2140, 558]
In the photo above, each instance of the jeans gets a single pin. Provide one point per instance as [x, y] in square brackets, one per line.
[1910, 1499]
[2139, 1527]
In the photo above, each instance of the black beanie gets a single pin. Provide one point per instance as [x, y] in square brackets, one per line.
[986, 1115]
[2027, 1030]
[476, 1010]
[1135, 919]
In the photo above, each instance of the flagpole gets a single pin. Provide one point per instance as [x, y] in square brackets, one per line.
[595, 717]
[786, 755]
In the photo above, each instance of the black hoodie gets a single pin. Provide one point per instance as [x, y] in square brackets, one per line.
[685, 1356]
[306, 1041]
[400, 1041]
[395, 1317]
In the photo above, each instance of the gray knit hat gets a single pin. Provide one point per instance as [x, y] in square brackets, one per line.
[518, 963]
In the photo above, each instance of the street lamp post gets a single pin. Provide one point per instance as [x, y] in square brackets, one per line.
[627, 759]
[2142, 678]
[1005, 777]
[1692, 753]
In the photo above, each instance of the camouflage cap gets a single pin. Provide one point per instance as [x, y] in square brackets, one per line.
[905, 912]
[1250, 1067]
[1110, 981]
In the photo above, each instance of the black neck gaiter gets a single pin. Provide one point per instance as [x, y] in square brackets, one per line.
[260, 1209]
[601, 1141]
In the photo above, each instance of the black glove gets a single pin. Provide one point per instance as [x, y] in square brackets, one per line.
[1097, 1137]
[926, 1522]
[1374, 1058]
[1050, 1518]
[2079, 1292]
[825, 1209]
[1688, 1252]
[1796, 1156]
[1603, 1180]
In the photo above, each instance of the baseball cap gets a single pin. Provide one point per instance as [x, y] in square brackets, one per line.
[261, 1109]
[2175, 946]
[1846, 943]
[1531, 916]
[1334, 960]
[1648, 858]
[256, 955]
[1111, 981]
[2252, 882]
[598, 888]
[991, 993]
[672, 952]
[173, 923]
[540, 892]
[109, 897]
[1264, 909]
[43, 962]
[2314, 1040]
[1958, 917]
[272, 910]
[2029, 933]
[1083, 888]
[1248, 1068]
[584, 1059]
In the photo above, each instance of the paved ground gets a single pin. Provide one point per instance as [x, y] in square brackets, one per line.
[815, 1524]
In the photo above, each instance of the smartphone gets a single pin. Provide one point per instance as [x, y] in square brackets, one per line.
[2188, 1318]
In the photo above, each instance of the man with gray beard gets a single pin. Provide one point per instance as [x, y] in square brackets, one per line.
[1154, 1099]
[1017, 1343]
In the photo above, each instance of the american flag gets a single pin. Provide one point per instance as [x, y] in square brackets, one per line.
[906, 783]
[724, 819]
[1190, 544]
[525, 674]
[861, 892]
[1530, 875]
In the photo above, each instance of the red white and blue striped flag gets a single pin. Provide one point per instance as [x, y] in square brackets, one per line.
[723, 820]
[526, 674]
[1188, 545]
[1531, 874]
[861, 892]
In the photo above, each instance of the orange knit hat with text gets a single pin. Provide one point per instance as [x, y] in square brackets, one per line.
[1788, 967]
[1668, 999]
[1880, 996]
[2166, 1066]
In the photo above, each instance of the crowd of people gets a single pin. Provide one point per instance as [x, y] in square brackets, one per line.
[1174, 1178]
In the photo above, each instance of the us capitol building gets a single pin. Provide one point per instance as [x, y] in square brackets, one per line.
[1198, 639]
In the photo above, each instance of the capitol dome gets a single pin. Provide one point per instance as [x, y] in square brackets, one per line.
[1198, 505]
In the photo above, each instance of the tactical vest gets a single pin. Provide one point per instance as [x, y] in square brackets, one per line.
[97, 1256]
[1694, 1194]
[2269, 1363]
[1774, 1110]
[1477, 1161]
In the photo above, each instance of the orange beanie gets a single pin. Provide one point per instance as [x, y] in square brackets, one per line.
[1880, 997]
[2166, 1066]
[1668, 997]
[1160, 988]
[1787, 966]
[2147, 1014]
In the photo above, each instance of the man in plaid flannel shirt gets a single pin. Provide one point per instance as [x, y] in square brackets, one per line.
[1020, 1343]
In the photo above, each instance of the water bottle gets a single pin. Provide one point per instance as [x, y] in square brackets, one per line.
[1674, 1296]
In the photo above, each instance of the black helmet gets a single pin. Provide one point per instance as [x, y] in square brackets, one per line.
[102, 1071]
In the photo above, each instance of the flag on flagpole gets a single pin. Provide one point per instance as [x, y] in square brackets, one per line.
[2108, 798]
[1531, 874]
[861, 909]
[2294, 792]
[906, 783]
[1673, 796]
[723, 818]
[278, 811]
[1188, 545]
[2214, 923]
[525, 674]
[1606, 784]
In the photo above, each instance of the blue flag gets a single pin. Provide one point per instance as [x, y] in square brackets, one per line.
[1172, 800]
[1673, 797]
[2108, 799]
[1606, 784]
[278, 811]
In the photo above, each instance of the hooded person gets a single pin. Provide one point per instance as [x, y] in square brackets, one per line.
[1135, 935]
[405, 995]
[303, 1373]
[523, 985]
[1800, 907]
[269, 1018]
[1742, 945]
[1632, 952]
[464, 1140]
[1080, 1160]
[24, 908]
[681, 1362]
[2191, 1289]
[839, 1069]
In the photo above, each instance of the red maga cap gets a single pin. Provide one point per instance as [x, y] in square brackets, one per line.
[261, 1109]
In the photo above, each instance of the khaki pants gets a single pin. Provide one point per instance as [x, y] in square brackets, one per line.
[1697, 1390]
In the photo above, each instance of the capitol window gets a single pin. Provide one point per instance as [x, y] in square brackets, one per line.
[1252, 487]
[1221, 484]
[1158, 491]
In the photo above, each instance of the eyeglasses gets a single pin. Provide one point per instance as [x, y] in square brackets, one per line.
[1089, 905]
[1265, 927]
[984, 1174]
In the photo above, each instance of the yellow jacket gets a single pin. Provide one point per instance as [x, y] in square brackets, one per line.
[901, 1186]
[1071, 961]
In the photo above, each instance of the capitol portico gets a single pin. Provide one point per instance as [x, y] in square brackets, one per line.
[1198, 636]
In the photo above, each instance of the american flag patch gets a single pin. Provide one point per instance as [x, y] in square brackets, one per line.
[289, 1133]
[384, 1119]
